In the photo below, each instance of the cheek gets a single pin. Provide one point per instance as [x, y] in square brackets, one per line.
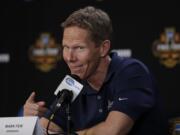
[93, 61]
[83, 57]
[64, 56]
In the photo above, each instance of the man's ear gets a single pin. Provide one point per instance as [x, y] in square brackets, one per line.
[105, 47]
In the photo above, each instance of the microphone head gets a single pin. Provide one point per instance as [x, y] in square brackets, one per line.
[70, 83]
[67, 95]
[64, 97]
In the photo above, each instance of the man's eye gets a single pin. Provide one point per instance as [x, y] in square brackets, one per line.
[65, 47]
[81, 48]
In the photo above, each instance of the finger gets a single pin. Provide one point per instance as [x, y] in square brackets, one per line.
[33, 113]
[31, 98]
[31, 106]
[30, 110]
[41, 103]
[34, 109]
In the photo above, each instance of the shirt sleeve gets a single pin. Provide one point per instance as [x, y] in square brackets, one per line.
[133, 93]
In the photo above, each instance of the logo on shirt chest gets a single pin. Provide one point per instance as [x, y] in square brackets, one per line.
[110, 104]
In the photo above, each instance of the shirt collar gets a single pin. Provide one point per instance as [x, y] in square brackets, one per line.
[111, 70]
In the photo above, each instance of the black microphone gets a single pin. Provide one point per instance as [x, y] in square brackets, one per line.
[71, 83]
[66, 92]
[64, 97]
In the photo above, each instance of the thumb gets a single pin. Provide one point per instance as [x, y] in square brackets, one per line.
[31, 98]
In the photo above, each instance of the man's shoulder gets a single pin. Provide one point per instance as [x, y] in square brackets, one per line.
[128, 66]
[123, 62]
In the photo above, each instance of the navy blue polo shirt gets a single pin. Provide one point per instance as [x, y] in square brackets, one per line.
[128, 88]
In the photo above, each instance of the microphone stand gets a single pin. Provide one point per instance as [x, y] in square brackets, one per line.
[69, 122]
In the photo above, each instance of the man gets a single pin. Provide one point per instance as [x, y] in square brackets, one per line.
[118, 97]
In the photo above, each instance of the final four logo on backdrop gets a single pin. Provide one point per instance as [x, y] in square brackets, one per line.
[167, 48]
[45, 52]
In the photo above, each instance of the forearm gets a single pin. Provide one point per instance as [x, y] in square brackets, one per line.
[116, 124]
[100, 129]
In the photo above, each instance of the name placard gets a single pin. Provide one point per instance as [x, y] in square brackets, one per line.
[20, 126]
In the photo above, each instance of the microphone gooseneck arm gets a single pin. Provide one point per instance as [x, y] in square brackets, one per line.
[70, 85]
[64, 97]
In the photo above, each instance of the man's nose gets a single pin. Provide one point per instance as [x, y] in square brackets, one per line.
[71, 55]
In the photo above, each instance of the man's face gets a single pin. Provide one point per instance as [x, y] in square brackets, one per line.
[80, 53]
